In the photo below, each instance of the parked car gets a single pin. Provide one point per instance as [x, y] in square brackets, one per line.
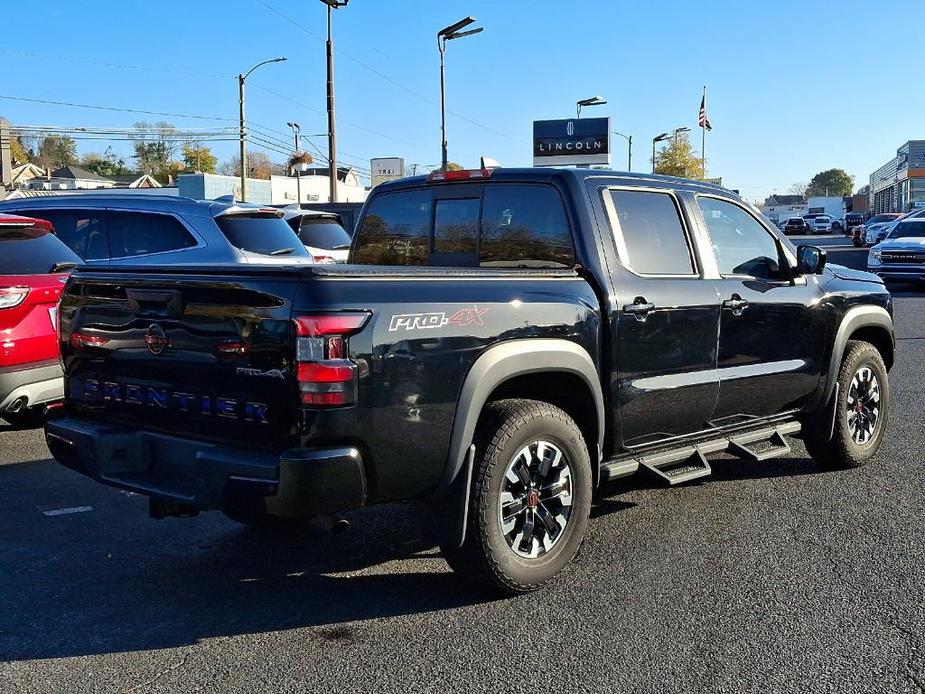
[163, 229]
[852, 220]
[825, 224]
[901, 256]
[322, 234]
[797, 226]
[33, 268]
[347, 211]
[859, 238]
[501, 342]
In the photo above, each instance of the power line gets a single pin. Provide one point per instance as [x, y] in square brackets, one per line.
[121, 66]
[384, 76]
[113, 108]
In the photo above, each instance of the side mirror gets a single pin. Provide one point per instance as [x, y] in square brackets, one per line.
[810, 260]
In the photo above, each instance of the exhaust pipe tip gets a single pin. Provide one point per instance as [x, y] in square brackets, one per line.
[339, 525]
[18, 405]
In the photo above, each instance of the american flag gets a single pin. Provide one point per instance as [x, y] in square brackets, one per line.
[703, 121]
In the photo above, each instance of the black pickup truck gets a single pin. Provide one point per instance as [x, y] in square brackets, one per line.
[501, 343]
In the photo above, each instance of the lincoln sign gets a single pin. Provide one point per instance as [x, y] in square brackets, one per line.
[571, 141]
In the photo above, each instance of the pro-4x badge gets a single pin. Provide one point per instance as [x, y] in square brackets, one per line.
[437, 319]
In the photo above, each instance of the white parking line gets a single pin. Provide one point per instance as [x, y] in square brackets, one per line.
[66, 511]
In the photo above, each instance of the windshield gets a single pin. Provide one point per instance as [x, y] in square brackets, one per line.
[907, 229]
[260, 233]
[323, 233]
[877, 218]
[25, 254]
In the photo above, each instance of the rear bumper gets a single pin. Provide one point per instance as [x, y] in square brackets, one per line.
[37, 383]
[297, 483]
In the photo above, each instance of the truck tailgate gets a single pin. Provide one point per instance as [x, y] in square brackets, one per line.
[199, 353]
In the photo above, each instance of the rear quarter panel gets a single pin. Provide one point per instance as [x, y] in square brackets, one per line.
[425, 333]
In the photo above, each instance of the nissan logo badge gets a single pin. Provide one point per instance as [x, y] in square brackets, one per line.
[156, 339]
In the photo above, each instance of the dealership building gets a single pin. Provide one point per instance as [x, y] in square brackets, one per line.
[899, 185]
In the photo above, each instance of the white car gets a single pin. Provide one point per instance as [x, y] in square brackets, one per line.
[322, 233]
[826, 224]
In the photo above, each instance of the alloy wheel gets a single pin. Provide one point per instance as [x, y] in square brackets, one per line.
[536, 499]
[863, 405]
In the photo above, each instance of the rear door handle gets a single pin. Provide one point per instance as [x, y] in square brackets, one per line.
[639, 308]
[736, 303]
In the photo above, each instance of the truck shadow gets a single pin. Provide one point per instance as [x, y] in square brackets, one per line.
[110, 580]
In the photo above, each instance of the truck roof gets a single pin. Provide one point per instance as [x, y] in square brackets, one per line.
[551, 174]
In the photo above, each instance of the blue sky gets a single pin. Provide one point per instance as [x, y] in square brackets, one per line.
[794, 87]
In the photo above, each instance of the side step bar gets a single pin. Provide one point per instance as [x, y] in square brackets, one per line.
[689, 462]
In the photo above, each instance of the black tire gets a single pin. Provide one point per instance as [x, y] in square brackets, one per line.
[30, 418]
[488, 557]
[846, 448]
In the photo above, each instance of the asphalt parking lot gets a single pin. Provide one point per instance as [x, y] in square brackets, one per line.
[765, 577]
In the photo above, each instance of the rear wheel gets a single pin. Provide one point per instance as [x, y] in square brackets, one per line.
[861, 411]
[530, 499]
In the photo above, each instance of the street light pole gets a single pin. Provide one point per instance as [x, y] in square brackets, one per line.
[242, 133]
[298, 171]
[629, 152]
[591, 101]
[663, 137]
[332, 136]
[448, 34]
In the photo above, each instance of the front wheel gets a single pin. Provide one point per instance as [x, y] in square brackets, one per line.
[861, 411]
[530, 499]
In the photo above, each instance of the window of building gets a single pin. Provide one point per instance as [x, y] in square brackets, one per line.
[653, 237]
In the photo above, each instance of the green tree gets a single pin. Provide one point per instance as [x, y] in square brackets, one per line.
[56, 151]
[834, 182]
[198, 157]
[259, 165]
[105, 164]
[679, 159]
[18, 151]
[155, 146]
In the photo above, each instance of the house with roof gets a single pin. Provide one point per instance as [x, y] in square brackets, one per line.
[135, 180]
[780, 208]
[70, 178]
[24, 173]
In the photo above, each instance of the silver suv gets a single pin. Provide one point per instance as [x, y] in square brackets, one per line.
[165, 229]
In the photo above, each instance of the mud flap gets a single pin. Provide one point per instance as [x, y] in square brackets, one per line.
[446, 517]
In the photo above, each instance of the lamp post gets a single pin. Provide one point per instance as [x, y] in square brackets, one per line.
[242, 136]
[453, 31]
[332, 136]
[591, 101]
[629, 151]
[662, 138]
[298, 171]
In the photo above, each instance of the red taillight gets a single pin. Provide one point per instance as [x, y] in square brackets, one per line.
[12, 296]
[460, 175]
[326, 376]
[80, 340]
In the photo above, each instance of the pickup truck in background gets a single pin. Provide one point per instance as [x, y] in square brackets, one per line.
[500, 344]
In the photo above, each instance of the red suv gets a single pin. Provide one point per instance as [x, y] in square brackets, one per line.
[33, 268]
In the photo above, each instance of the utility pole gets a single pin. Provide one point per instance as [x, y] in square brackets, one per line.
[6, 158]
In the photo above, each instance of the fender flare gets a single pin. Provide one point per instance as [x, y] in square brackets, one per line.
[855, 318]
[502, 362]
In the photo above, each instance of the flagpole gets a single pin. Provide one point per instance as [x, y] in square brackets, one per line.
[703, 136]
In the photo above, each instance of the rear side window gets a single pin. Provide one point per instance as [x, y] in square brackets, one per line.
[323, 233]
[23, 254]
[524, 226]
[141, 233]
[395, 230]
[653, 238]
[83, 231]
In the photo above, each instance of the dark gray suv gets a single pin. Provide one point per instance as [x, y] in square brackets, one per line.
[165, 229]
